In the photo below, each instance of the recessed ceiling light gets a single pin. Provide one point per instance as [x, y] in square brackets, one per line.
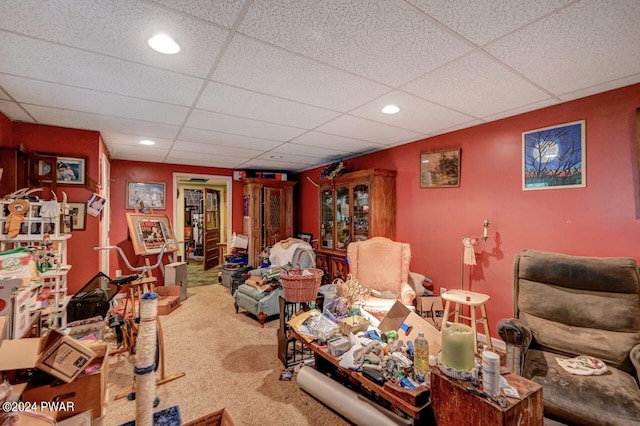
[276, 157]
[164, 44]
[390, 109]
[147, 142]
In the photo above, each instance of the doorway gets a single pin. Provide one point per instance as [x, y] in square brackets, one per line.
[202, 214]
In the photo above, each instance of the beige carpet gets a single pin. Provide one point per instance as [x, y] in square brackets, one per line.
[229, 362]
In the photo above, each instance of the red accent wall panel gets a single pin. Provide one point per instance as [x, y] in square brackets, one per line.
[602, 219]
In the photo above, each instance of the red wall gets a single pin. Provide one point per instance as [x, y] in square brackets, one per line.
[6, 133]
[123, 171]
[63, 141]
[598, 220]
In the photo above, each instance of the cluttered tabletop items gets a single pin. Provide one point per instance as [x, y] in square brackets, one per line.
[395, 357]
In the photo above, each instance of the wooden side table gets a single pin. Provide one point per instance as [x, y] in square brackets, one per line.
[454, 405]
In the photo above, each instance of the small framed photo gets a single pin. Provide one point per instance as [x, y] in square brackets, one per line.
[78, 214]
[554, 157]
[96, 204]
[66, 170]
[145, 195]
[440, 169]
[307, 238]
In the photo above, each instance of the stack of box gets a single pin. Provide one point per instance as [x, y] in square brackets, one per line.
[75, 379]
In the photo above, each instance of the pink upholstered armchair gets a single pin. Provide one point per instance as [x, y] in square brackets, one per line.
[383, 265]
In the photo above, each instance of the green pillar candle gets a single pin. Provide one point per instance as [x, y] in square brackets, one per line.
[457, 346]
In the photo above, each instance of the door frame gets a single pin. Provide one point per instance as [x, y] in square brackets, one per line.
[228, 180]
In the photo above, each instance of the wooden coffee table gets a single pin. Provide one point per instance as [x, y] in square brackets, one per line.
[414, 404]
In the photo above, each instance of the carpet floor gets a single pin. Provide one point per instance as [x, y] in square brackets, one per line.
[229, 362]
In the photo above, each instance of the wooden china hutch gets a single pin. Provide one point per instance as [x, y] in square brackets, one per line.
[353, 207]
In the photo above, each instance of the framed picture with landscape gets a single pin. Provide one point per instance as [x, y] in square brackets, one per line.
[149, 232]
[554, 157]
[151, 194]
[440, 169]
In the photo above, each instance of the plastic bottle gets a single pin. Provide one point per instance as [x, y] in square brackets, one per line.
[420, 357]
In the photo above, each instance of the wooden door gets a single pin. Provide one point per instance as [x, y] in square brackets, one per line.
[211, 228]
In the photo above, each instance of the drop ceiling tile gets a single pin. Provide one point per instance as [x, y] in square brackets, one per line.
[211, 160]
[415, 113]
[219, 12]
[13, 111]
[334, 142]
[587, 43]
[522, 109]
[245, 103]
[292, 77]
[370, 40]
[289, 158]
[136, 157]
[210, 148]
[127, 140]
[406, 141]
[263, 164]
[79, 120]
[481, 21]
[599, 88]
[59, 96]
[359, 128]
[476, 85]
[119, 29]
[290, 148]
[470, 123]
[140, 152]
[3, 95]
[226, 139]
[25, 57]
[205, 120]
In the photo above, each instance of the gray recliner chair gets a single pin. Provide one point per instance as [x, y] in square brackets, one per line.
[267, 305]
[566, 306]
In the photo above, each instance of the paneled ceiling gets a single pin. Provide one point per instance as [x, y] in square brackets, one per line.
[293, 84]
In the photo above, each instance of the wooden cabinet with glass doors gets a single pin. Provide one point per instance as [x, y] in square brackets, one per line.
[354, 207]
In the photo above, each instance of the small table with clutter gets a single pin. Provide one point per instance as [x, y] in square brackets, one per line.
[457, 402]
[415, 404]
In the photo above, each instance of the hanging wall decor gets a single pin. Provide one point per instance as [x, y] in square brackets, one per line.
[554, 157]
[440, 169]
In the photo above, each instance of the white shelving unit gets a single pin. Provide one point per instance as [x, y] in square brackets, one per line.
[32, 234]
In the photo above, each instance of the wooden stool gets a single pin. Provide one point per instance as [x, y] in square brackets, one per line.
[472, 300]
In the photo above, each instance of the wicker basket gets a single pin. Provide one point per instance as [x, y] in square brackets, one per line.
[301, 284]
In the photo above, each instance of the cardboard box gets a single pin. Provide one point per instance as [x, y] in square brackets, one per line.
[61, 356]
[169, 299]
[217, 418]
[64, 357]
[86, 393]
[338, 346]
[175, 274]
[431, 309]
[399, 315]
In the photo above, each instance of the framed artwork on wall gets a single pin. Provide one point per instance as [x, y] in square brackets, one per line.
[70, 170]
[149, 232]
[554, 157]
[440, 169]
[152, 194]
[78, 213]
